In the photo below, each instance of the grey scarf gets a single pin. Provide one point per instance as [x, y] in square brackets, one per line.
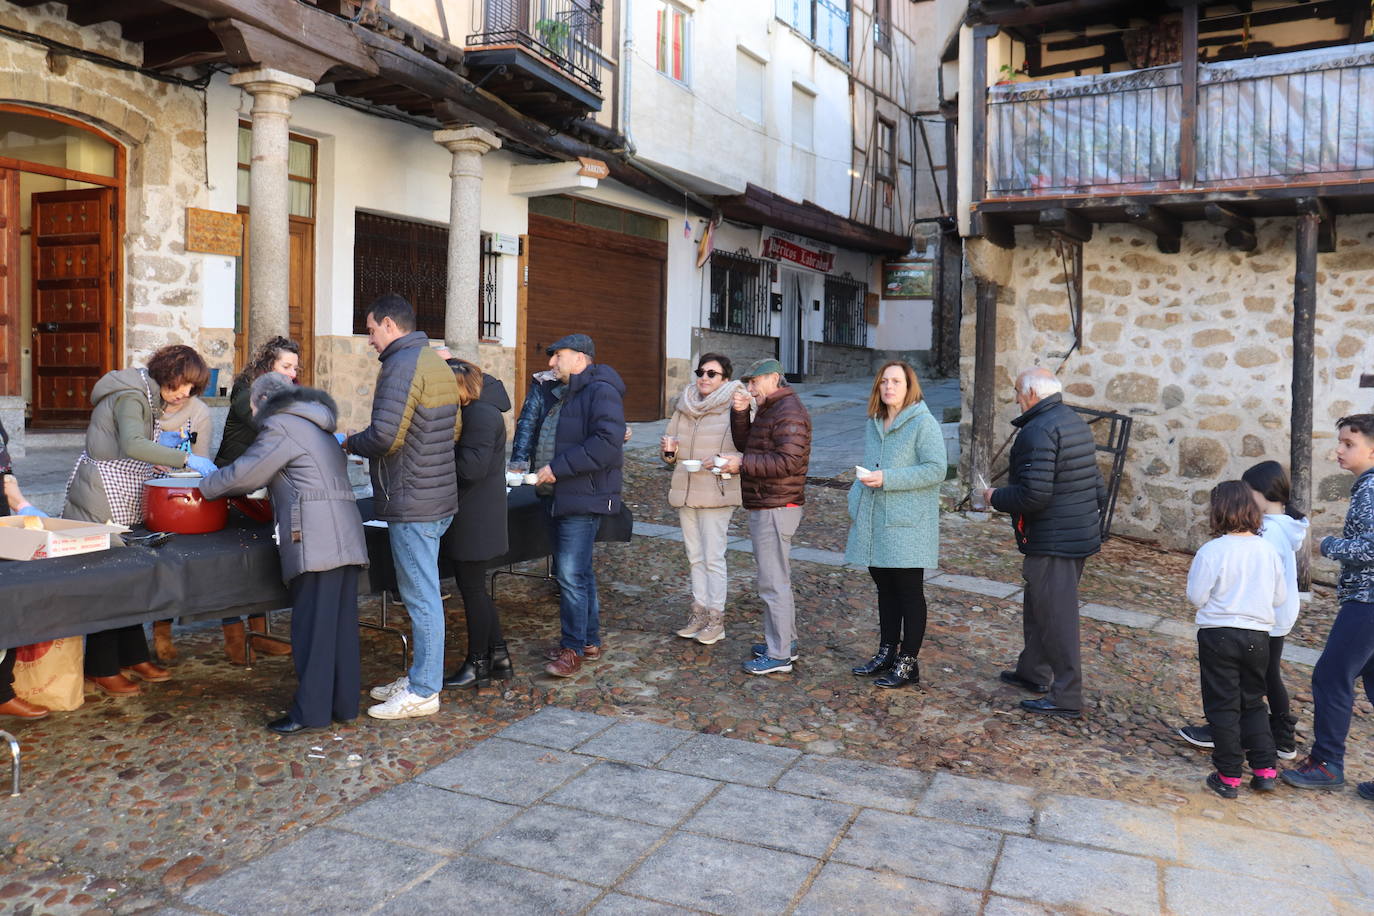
[694, 405]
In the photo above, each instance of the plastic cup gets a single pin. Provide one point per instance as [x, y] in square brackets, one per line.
[690, 465]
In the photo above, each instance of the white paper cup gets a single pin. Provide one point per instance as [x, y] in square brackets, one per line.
[690, 465]
[513, 479]
[531, 479]
[721, 461]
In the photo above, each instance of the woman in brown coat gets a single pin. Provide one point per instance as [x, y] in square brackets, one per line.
[704, 498]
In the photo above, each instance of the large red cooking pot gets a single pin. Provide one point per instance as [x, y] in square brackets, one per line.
[175, 504]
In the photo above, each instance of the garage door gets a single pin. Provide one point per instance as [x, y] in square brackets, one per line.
[607, 284]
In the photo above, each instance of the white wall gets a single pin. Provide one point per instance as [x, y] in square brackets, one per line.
[903, 324]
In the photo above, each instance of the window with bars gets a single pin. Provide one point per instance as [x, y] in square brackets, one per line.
[488, 308]
[844, 312]
[822, 22]
[739, 294]
[393, 255]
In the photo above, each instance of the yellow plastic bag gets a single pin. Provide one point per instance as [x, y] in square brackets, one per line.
[50, 673]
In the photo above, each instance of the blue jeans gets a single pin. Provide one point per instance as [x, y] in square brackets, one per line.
[415, 551]
[572, 538]
[1348, 654]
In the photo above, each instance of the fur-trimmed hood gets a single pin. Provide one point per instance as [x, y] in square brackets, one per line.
[307, 403]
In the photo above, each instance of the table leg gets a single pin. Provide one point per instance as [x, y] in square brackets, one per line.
[510, 571]
[14, 762]
[383, 625]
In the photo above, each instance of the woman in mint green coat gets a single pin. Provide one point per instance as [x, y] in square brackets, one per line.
[895, 513]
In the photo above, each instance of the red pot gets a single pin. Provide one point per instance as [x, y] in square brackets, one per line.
[176, 505]
[259, 510]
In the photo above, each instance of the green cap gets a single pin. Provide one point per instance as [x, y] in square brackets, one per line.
[762, 367]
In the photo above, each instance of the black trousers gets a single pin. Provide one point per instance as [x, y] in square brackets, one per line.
[110, 650]
[1232, 663]
[7, 676]
[901, 607]
[324, 645]
[1050, 627]
[1282, 722]
[483, 620]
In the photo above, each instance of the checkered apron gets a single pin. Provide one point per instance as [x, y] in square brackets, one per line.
[123, 478]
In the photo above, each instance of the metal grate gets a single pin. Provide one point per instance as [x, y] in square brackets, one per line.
[488, 313]
[567, 33]
[739, 294]
[402, 256]
[844, 312]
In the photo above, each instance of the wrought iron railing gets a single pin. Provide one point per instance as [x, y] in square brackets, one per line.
[1282, 117]
[845, 322]
[567, 33]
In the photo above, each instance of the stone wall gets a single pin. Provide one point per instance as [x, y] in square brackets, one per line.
[742, 349]
[1196, 347]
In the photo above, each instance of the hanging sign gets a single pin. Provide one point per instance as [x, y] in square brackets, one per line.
[593, 168]
[212, 232]
[784, 246]
[907, 279]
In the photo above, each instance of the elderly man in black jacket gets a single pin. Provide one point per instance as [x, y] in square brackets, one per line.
[1056, 498]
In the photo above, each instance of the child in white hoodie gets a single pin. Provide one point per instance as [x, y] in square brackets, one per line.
[1237, 584]
[1285, 528]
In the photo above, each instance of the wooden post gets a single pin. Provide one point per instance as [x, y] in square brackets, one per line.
[984, 372]
[1187, 122]
[979, 128]
[1304, 336]
[949, 303]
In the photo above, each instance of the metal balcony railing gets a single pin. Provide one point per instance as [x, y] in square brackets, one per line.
[1276, 119]
[567, 33]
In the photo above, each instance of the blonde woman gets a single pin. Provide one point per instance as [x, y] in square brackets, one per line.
[705, 499]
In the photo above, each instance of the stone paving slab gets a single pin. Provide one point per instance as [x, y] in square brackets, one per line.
[1109, 824]
[622, 905]
[855, 782]
[651, 796]
[978, 802]
[552, 726]
[1194, 892]
[974, 584]
[846, 889]
[507, 771]
[1295, 860]
[416, 814]
[572, 844]
[1120, 615]
[730, 760]
[644, 743]
[766, 817]
[919, 848]
[473, 886]
[1071, 876]
[719, 876]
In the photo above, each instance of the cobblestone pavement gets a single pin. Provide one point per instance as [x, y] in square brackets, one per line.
[134, 805]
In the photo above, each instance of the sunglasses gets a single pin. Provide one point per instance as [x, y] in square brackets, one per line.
[709, 373]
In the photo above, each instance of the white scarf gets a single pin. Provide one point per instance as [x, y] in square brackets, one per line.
[695, 405]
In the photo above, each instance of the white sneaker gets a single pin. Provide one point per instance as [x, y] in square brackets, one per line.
[405, 705]
[387, 691]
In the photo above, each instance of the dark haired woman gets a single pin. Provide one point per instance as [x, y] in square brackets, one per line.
[107, 483]
[698, 431]
[1236, 582]
[478, 532]
[895, 513]
[282, 356]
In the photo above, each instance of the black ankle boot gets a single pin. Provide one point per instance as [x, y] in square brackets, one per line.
[904, 671]
[500, 661]
[886, 655]
[465, 676]
[482, 672]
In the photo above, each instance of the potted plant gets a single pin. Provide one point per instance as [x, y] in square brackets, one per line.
[553, 34]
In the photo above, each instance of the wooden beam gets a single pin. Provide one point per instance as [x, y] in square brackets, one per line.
[1240, 229]
[1167, 229]
[1067, 223]
[307, 26]
[198, 47]
[984, 381]
[1039, 15]
[89, 12]
[1367, 380]
[1304, 368]
[249, 46]
[1326, 222]
[167, 24]
[1187, 122]
[999, 232]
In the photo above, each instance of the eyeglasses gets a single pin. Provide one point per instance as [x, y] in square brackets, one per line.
[709, 373]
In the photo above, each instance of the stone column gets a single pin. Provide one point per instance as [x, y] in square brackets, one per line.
[269, 246]
[468, 145]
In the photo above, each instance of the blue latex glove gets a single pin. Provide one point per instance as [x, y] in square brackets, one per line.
[339, 438]
[171, 438]
[203, 466]
[33, 510]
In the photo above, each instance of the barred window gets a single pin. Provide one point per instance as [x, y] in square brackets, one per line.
[488, 308]
[739, 294]
[392, 255]
[844, 312]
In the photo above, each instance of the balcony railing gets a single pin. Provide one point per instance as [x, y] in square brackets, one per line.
[566, 33]
[1287, 117]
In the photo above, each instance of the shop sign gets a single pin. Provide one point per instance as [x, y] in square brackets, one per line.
[593, 168]
[784, 246]
[212, 232]
[907, 279]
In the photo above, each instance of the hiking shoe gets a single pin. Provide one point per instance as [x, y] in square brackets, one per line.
[1287, 753]
[566, 664]
[387, 691]
[714, 631]
[760, 649]
[762, 664]
[1366, 790]
[590, 653]
[695, 623]
[1201, 736]
[405, 705]
[1216, 785]
[1312, 774]
[1264, 783]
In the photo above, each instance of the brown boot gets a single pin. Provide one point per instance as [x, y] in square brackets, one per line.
[162, 640]
[233, 642]
[116, 685]
[258, 624]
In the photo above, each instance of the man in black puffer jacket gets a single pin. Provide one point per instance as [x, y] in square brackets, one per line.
[1056, 498]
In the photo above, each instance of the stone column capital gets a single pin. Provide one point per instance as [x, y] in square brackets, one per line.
[468, 139]
[267, 81]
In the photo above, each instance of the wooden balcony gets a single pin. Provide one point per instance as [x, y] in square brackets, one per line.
[541, 56]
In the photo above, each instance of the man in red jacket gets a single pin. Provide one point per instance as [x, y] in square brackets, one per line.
[776, 449]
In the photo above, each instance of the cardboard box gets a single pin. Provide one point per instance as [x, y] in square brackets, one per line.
[58, 537]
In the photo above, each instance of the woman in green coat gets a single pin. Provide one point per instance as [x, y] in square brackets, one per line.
[895, 513]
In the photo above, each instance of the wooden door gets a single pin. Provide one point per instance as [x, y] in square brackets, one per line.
[10, 317]
[605, 284]
[73, 279]
[300, 296]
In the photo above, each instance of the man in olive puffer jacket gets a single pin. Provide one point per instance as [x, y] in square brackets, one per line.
[409, 442]
[1056, 498]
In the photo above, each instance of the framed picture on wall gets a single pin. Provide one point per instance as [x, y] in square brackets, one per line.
[907, 278]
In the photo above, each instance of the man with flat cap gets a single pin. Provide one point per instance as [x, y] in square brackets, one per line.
[775, 446]
[579, 451]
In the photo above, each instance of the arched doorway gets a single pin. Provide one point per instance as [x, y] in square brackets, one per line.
[61, 214]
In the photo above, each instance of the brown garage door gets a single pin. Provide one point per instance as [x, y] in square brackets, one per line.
[606, 284]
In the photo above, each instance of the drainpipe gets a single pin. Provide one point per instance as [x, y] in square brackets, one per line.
[627, 66]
